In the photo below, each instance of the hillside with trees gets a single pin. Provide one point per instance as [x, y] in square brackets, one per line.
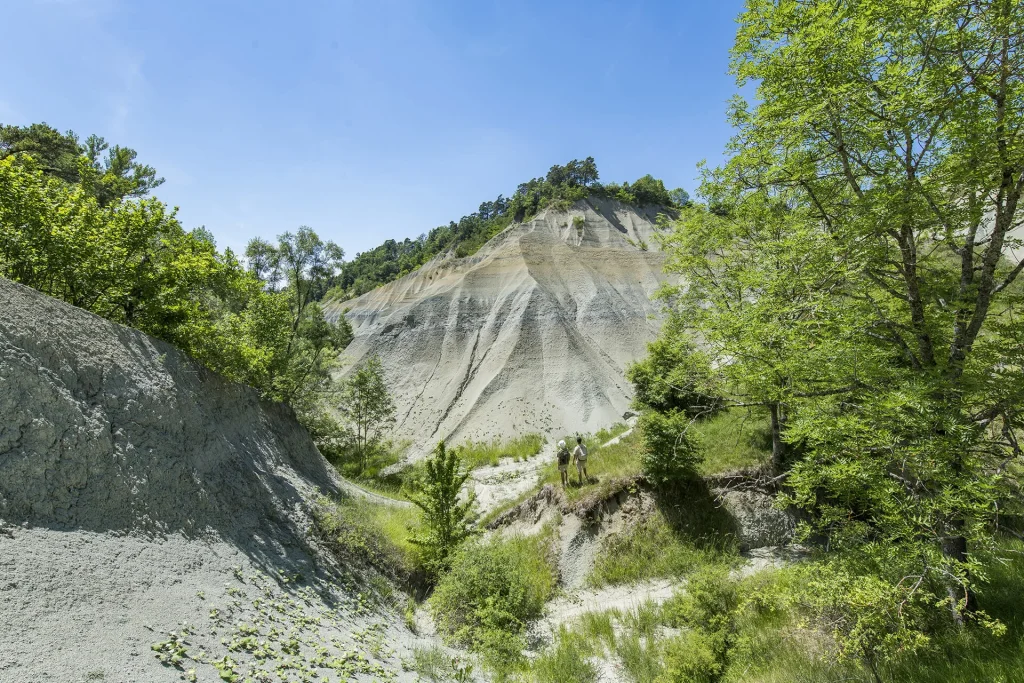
[560, 187]
[78, 225]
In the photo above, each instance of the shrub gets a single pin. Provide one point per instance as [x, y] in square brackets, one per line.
[447, 521]
[669, 454]
[709, 608]
[710, 601]
[693, 657]
[675, 376]
[492, 591]
[567, 662]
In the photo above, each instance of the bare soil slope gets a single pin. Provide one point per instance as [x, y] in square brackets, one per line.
[141, 496]
[531, 334]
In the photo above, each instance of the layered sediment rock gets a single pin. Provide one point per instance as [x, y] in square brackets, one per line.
[531, 334]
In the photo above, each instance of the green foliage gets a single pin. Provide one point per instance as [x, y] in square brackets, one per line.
[850, 268]
[733, 439]
[567, 662]
[694, 657]
[366, 404]
[560, 187]
[57, 154]
[670, 455]
[606, 434]
[479, 453]
[492, 591]
[87, 239]
[674, 375]
[363, 532]
[683, 534]
[107, 179]
[708, 609]
[447, 521]
[434, 664]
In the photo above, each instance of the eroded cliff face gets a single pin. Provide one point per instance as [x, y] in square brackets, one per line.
[144, 500]
[107, 429]
[531, 334]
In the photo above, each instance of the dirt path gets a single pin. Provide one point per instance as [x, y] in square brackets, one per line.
[359, 492]
[573, 604]
[510, 479]
[620, 437]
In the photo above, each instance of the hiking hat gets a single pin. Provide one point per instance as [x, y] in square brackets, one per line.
[561, 444]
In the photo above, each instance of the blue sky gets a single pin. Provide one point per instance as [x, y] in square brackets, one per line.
[375, 119]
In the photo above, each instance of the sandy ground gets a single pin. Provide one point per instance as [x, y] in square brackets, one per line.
[84, 606]
[156, 519]
[495, 486]
[359, 492]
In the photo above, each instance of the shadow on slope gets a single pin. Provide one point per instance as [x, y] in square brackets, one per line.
[105, 429]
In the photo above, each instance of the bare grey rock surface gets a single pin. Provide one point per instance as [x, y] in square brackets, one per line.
[146, 501]
[530, 334]
[759, 523]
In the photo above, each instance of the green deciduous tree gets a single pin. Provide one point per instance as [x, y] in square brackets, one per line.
[367, 406]
[852, 267]
[299, 268]
[447, 520]
[107, 178]
[131, 261]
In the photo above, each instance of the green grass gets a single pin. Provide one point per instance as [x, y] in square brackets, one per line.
[370, 477]
[599, 627]
[567, 662]
[672, 543]
[630, 637]
[605, 466]
[361, 530]
[481, 453]
[606, 434]
[733, 439]
[434, 664]
[641, 658]
[775, 641]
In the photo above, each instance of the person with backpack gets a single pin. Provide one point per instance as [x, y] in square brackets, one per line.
[563, 463]
[579, 456]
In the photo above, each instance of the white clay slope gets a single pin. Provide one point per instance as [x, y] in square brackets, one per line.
[531, 334]
[140, 496]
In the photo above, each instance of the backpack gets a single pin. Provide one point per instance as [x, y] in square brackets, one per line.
[563, 456]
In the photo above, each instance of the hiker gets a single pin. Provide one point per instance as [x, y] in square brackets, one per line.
[563, 463]
[579, 456]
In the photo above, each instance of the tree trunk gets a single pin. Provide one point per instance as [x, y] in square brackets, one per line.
[778, 449]
[954, 547]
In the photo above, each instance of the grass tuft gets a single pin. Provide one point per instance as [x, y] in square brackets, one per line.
[733, 439]
[487, 453]
[363, 531]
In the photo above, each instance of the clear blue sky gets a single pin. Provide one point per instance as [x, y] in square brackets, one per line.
[373, 119]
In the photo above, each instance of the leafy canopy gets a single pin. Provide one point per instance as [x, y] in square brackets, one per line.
[77, 226]
[852, 268]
